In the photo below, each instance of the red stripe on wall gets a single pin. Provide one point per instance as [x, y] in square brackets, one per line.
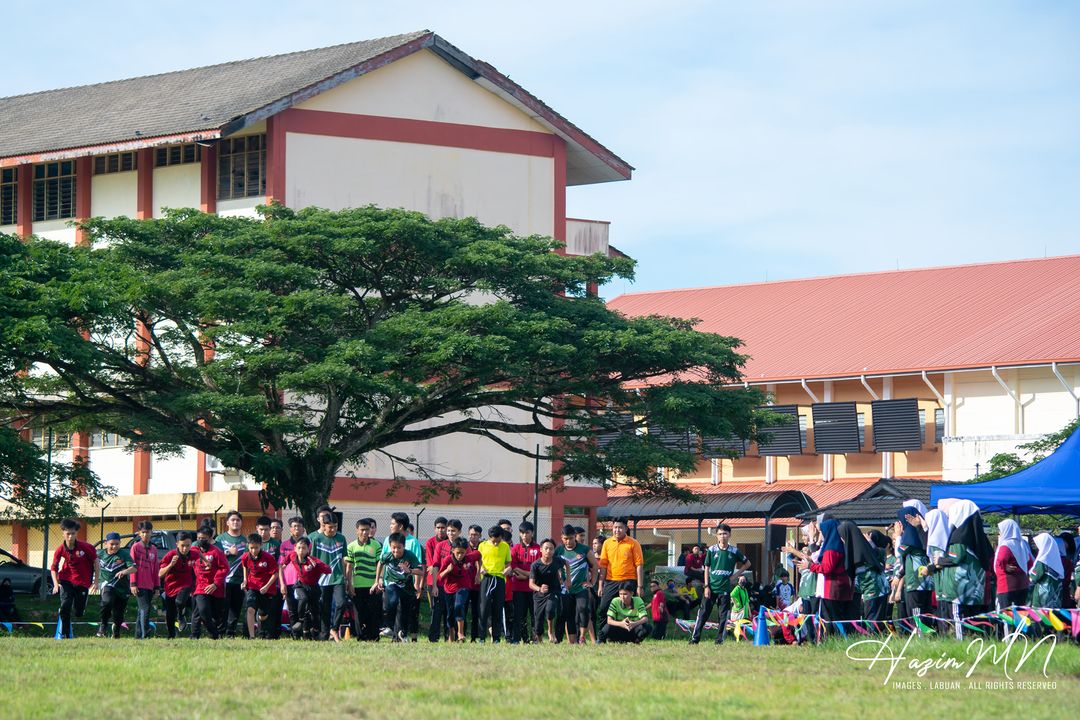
[25, 212]
[420, 132]
[276, 126]
[83, 180]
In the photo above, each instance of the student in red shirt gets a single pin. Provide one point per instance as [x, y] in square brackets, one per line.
[306, 571]
[210, 572]
[659, 611]
[439, 623]
[72, 569]
[262, 581]
[457, 572]
[522, 557]
[178, 576]
[442, 551]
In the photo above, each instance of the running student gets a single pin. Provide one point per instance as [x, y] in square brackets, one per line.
[146, 581]
[399, 574]
[548, 580]
[261, 583]
[296, 531]
[114, 569]
[306, 571]
[232, 543]
[72, 568]
[178, 576]
[361, 557]
[265, 527]
[435, 601]
[495, 566]
[329, 545]
[476, 535]
[722, 563]
[577, 604]
[522, 557]
[434, 560]
[210, 572]
[457, 573]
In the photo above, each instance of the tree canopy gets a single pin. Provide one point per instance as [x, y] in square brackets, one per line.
[294, 344]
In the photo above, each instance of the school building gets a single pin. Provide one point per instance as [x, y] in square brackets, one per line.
[986, 356]
[408, 121]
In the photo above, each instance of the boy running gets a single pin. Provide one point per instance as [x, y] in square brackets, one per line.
[329, 546]
[495, 566]
[178, 577]
[361, 557]
[72, 568]
[306, 571]
[457, 573]
[210, 572]
[146, 581]
[261, 583]
[548, 579]
[522, 557]
[395, 570]
[577, 610]
[232, 543]
[115, 567]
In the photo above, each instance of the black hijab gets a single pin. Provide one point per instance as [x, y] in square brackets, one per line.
[857, 551]
[972, 536]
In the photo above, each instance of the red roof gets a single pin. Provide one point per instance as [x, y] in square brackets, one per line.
[1009, 313]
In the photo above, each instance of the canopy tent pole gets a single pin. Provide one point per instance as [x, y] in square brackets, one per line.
[699, 521]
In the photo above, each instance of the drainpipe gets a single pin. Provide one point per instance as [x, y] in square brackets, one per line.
[933, 389]
[809, 391]
[862, 379]
[670, 546]
[1019, 406]
[1068, 388]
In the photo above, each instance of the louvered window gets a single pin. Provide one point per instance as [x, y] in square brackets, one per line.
[177, 155]
[242, 167]
[54, 190]
[9, 196]
[115, 163]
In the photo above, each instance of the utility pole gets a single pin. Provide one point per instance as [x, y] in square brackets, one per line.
[48, 500]
[536, 492]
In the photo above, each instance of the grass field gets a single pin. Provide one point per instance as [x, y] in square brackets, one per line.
[101, 679]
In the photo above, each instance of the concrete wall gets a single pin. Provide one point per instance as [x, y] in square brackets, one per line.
[176, 186]
[114, 194]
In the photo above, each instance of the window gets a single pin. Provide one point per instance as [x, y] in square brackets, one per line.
[803, 424]
[939, 424]
[9, 196]
[103, 439]
[922, 426]
[40, 437]
[116, 162]
[242, 167]
[54, 190]
[177, 155]
[861, 417]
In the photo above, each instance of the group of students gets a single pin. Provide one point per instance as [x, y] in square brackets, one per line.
[938, 560]
[525, 592]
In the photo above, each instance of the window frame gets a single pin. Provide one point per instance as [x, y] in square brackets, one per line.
[234, 169]
[56, 203]
[9, 196]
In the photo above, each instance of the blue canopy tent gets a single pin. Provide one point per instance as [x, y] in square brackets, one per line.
[1050, 486]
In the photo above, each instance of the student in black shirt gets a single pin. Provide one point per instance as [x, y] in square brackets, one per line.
[549, 578]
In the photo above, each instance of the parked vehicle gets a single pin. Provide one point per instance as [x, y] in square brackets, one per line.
[165, 540]
[24, 579]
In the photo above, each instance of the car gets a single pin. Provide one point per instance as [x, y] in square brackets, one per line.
[165, 540]
[24, 579]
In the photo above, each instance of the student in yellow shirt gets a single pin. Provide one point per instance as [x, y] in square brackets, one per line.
[494, 567]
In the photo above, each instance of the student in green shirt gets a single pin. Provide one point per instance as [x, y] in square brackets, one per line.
[361, 557]
[722, 563]
[114, 568]
[400, 574]
[233, 543]
[740, 600]
[329, 546]
[627, 619]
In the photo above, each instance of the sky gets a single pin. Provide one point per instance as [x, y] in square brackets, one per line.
[771, 140]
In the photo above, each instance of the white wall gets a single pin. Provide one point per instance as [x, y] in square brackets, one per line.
[177, 186]
[498, 188]
[114, 194]
[175, 474]
[423, 87]
[9, 229]
[115, 467]
[243, 207]
[58, 230]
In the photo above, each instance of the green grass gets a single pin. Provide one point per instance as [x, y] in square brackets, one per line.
[99, 678]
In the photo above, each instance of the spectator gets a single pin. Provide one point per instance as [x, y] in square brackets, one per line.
[1011, 564]
[740, 600]
[627, 619]
[659, 611]
[621, 565]
[1047, 574]
[8, 611]
[694, 565]
[783, 592]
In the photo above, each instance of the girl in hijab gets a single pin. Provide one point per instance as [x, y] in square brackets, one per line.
[1012, 561]
[834, 584]
[883, 546]
[1067, 547]
[867, 572]
[962, 580]
[1047, 574]
[911, 556]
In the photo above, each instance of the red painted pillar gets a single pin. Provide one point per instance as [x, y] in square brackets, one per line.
[275, 159]
[559, 158]
[144, 194]
[18, 541]
[84, 177]
[208, 180]
[25, 211]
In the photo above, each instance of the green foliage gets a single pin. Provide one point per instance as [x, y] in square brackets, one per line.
[296, 344]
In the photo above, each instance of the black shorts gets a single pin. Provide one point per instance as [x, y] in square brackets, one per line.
[261, 603]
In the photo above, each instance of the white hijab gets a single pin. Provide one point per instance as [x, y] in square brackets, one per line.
[917, 504]
[1009, 536]
[1048, 553]
[937, 530]
[960, 511]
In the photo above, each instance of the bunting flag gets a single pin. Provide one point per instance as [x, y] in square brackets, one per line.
[7, 626]
[1075, 614]
[1053, 621]
[38, 624]
[840, 628]
[856, 626]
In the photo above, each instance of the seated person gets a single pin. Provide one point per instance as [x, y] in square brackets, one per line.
[627, 619]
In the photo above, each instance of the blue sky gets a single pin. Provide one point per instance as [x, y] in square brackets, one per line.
[772, 140]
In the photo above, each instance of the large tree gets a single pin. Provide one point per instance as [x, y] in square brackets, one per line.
[294, 344]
